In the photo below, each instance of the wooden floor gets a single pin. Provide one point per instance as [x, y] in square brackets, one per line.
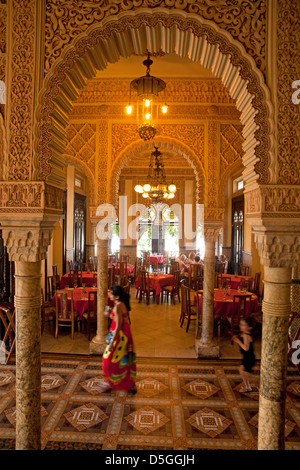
[156, 333]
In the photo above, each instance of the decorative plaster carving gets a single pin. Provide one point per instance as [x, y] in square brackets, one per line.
[278, 250]
[21, 88]
[202, 90]
[27, 197]
[231, 145]
[27, 245]
[167, 20]
[284, 201]
[211, 196]
[288, 39]
[3, 20]
[211, 233]
[245, 20]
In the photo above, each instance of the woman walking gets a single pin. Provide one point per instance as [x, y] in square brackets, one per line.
[119, 359]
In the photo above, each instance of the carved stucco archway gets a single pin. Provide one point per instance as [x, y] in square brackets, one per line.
[170, 31]
[163, 143]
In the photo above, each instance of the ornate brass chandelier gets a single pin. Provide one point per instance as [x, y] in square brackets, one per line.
[147, 89]
[156, 188]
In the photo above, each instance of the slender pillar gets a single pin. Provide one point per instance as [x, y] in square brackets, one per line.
[28, 354]
[207, 346]
[276, 311]
[98, 343]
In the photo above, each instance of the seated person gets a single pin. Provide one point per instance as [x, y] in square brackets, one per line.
[191, 258]
[182, 264]
[225, 263]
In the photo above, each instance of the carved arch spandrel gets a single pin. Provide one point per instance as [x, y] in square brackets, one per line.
[188, 154]
[134, 32]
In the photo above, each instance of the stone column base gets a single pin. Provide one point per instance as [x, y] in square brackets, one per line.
[208, 351]
[96, 347]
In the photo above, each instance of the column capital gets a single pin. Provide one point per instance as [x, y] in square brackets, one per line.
[278, 249]
[29, 211]
[211, 233]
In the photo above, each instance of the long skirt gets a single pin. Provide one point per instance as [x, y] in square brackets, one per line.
[119, 365]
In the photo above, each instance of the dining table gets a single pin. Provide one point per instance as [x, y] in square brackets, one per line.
[223, 301]
[235, 280]
[81, 299]
[157, 281]
[156, 259]
[87, 277]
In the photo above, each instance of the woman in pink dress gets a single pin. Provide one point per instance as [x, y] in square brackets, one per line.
[119, 359]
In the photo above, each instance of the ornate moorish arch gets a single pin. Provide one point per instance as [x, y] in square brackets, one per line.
[157, 30]
[164, 143]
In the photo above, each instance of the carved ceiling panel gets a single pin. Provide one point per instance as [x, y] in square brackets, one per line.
[231, 142]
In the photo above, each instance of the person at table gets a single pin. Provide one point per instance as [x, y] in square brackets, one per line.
[119, 358]
[197, 259]
[223, 260]
[183, 267]
[245, 342]
[191, 258]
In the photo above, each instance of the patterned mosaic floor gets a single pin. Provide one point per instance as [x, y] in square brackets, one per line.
[180, 405]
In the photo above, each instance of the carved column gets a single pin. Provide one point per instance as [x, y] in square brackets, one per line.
[28, 354]
[278, 253]
[98, 343]
[206, 346]
[27, 247]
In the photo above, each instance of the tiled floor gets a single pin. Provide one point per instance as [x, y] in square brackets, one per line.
[156, 333]
[181, 404]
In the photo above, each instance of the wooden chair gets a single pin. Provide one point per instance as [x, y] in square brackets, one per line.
[111, 276]
[244, 283]
[145, 289]
[46, 311]
[94, 279]
[53, 283]
[173, 290]
[175, 264]
[124, 259]
[75, 278]
[89, 318]
[187, 311]
[255, 285]
[70, 265]
[241, 308]
[132, 276]
[65, 314]
[123, 269]
[54, 270]
[243, 270]
[196, 276]
[223, 281]
[127, 290]
[199, 311]
[8, 342]
[91, 263]
[219, 268]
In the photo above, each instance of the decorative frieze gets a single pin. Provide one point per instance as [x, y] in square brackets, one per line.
[284, 201]
[245, 20]
[25, 244]
[26, 197]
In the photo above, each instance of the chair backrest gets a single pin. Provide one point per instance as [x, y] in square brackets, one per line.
[71, 265]
[63, 310]
[185, 298]
[241, 308]
[91, 263]
[94, 279]
[144, 280]
[75, 277]
[125, 259]
[199, 309]
[54, 270]
[111, 276]
[196, 271]
[244, 283]
[7, 344]
[255, 284]
[225, 281]
[219, 268]
[123, 269]
[127, 287]
[92, 304]
[53, 285]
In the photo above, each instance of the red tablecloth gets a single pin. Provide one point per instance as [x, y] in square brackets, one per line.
[157, 282]
[223, 306]
[235, 280]
[155, 259]
[81, 300]
[130, 268]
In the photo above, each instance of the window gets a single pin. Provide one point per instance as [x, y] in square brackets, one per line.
[240, 185]
[237, 184]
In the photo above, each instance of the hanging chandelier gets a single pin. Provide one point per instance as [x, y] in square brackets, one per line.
[156, 188]
[147, 89]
